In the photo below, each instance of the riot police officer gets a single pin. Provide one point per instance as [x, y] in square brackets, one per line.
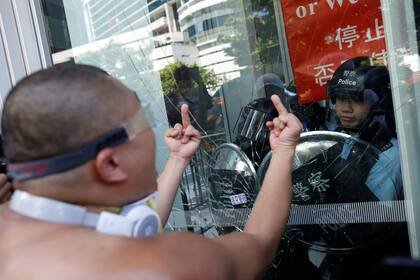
[360, 90]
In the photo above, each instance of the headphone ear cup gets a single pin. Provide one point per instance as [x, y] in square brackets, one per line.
[146, 221]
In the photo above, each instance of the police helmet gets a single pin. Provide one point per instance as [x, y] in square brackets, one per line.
[269, 84]
[360, 78]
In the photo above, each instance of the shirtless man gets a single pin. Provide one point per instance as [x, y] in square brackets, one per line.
[51, 121]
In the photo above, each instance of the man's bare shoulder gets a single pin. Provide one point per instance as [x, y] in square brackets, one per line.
[41, 250]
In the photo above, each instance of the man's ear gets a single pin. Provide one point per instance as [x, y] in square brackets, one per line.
[108, 167]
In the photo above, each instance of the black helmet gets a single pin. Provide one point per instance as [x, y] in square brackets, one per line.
[360, 78]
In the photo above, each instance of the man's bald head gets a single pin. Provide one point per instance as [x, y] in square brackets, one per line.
[61, 108]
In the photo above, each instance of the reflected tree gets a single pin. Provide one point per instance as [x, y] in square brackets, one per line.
[167, 76]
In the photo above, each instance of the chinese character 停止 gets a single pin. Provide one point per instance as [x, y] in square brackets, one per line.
[379, 32]
[347, 35]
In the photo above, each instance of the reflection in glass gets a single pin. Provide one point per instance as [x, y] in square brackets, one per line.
[223, 58]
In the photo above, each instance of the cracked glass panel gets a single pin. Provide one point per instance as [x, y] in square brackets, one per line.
[335, 198]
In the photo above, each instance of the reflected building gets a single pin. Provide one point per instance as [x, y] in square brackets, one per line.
[186, 31]
[159, 17]
[204, 23]
[108, 17]
[127, 22]
[219, 30]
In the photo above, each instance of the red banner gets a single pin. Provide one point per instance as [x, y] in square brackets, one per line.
[322, 34]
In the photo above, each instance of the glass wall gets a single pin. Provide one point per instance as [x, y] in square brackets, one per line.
[347, 69]
[402, 20]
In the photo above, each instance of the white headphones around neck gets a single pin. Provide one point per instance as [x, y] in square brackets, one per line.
[136, 219]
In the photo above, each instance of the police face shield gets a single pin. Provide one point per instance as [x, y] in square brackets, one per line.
[338, 204]
[232, 185]
[365, 96]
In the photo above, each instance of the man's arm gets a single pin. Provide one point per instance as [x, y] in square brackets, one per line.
[168, 183]
[239, 255]
[252, 250]
[183, 141]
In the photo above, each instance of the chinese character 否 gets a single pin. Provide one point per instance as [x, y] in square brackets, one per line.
[382, 55]
[379, 32]
[324, 73]
[317, 183]
[300, 192]
[347, 35]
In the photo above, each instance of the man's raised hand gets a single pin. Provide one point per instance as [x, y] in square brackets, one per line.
[284, 129]
[183, 139]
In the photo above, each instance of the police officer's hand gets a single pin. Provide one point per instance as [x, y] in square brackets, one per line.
[284, 129]
[5, 188]
[183, 139]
